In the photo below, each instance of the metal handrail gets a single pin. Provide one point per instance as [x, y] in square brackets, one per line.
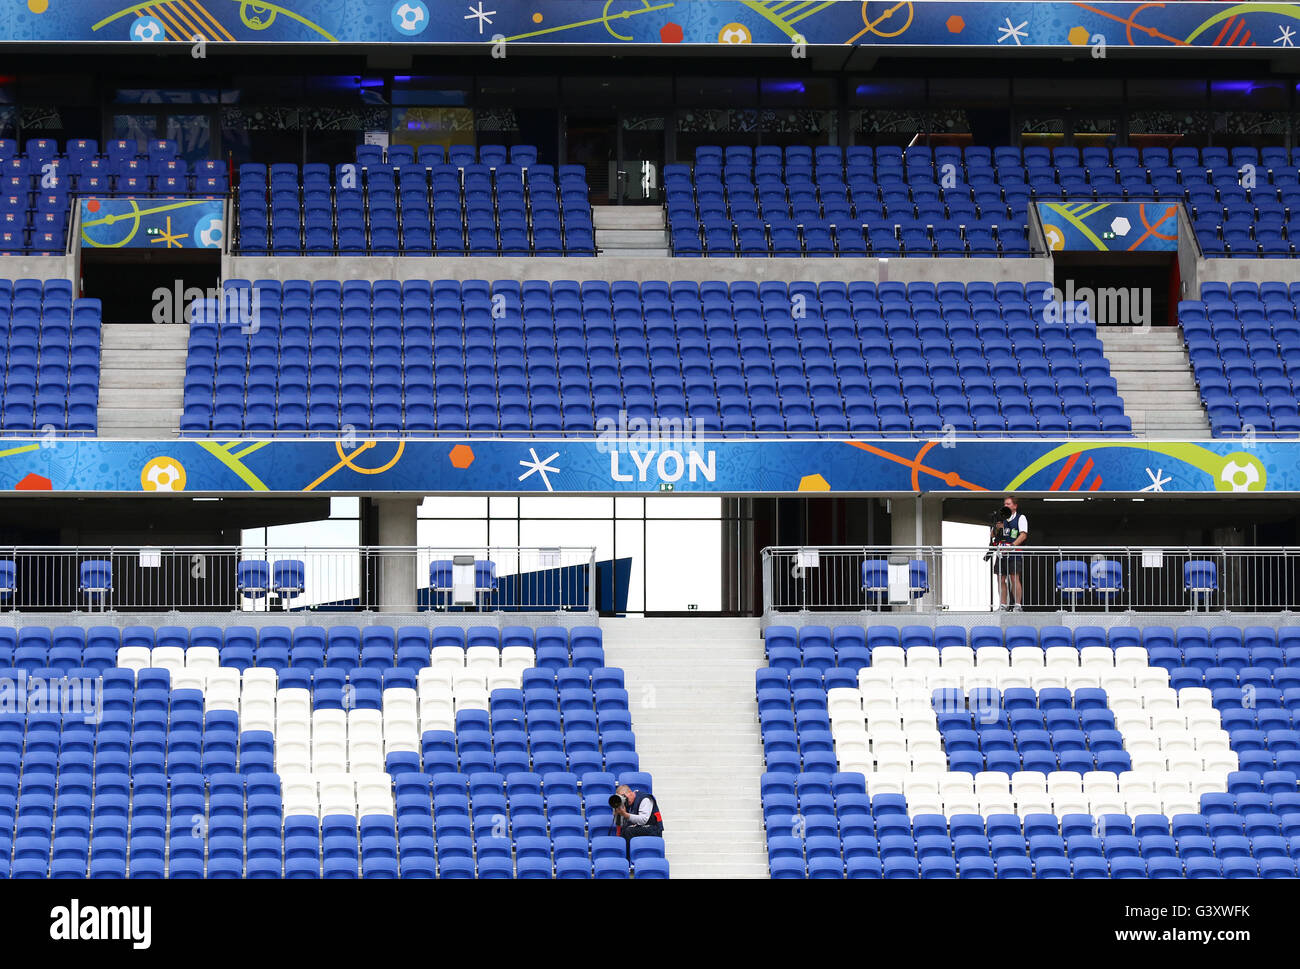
[272, 577]
[1065, 578]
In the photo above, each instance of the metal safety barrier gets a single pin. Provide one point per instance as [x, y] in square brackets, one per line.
[1066, 578]
[279, 578]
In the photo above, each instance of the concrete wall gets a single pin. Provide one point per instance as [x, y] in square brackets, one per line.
[635, 268]
[1246, 270]
[37, 267]
[1189, 257]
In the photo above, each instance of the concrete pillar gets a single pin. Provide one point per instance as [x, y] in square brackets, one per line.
[396, 578]
[918, 521]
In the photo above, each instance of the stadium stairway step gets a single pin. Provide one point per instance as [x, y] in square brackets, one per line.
[691, 687]
[142, 376]
[630, 230]
[1154, 378]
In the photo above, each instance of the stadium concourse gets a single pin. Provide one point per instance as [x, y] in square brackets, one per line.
[424, 461]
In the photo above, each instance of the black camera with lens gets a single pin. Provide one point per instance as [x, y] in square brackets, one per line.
[1000, 515]
[616, 801]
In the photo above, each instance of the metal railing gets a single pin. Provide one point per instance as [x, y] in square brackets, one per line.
[1065, 578]
[287, 578]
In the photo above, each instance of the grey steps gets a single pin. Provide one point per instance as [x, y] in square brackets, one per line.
[627, 216]
[691, 684]
[630, 230]
[1154, 378]
[142, 376]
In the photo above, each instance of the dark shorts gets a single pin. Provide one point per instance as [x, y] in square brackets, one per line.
[1010, 563]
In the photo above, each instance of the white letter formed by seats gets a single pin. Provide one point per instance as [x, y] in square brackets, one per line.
[102, 923]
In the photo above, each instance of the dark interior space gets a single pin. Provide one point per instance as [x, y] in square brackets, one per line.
[147, 287]
[1121, 289]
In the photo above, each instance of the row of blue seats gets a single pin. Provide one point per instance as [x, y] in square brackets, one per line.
[374, 155]
[284, 636]
[981, 155]
[868, 867]
[419, 292]
[1149, 637]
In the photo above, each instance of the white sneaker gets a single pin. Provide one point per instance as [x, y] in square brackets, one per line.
[1016, 608]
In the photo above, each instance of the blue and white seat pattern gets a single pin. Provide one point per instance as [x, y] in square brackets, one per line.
[314, 752]
[877, 738]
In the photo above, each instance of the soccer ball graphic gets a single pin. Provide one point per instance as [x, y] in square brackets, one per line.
[1241, 472]
[163, 474]
[734, 34]
[209, 233]
[410, 16]
[147, 30]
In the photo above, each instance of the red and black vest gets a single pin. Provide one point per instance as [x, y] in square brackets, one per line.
[656, 819]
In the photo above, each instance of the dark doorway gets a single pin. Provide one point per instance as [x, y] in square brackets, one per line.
[1121, 289]
[141, 288]
[590, 142]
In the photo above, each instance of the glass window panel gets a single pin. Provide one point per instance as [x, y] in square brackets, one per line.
[705, 91]
[327, 549]
[629, 543]
[451, 533]
[629, 507]
[683, 566]
[141, 127]
[1166, 92]
[192, 134]
[1257, 95]
[683, 507]
[568, 533]
[504, 507]
[345, 507]
[503, 532]
[970, 91]
[561, 507]
[449, 507]
[433, 126]
[890, 92]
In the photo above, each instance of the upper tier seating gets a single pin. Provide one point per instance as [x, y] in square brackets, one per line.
[949, 201]
[418, 204]
[1244, 345]
[339, 753]
[49, 357]
[1051, 752]
[770, 358]
[38, 183]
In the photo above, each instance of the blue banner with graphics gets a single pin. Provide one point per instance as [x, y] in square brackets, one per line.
[1093, 226]
[1003, 24]
[152, 223]
[641, 465]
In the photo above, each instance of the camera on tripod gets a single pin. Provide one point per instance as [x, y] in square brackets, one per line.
[616, 801]
[996, 518]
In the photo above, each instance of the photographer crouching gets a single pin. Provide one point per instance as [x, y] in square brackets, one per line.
[1010, 530]
[636, 814]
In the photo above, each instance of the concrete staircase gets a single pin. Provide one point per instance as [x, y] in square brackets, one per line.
[1154, 378]
[142, 379]
[690, 684]
[630, 230]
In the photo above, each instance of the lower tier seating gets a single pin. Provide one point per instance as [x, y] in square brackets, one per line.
[937, 752]
[312, 752]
